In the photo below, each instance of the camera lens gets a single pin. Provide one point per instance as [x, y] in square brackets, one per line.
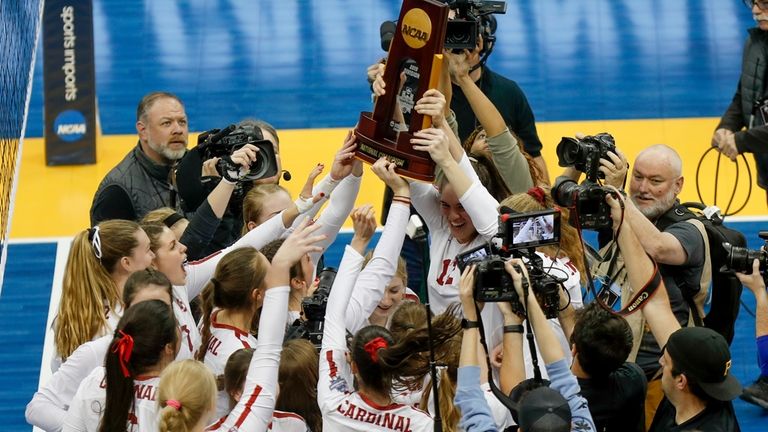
[740, 259]
[569, 152]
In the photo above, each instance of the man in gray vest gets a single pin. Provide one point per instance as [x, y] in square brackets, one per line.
[744, 126]
[141, 182]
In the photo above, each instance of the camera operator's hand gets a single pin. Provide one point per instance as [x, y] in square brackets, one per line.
[617, 203]
[344, 161]
[244, 156]
[435, 142]
[754, 281]
[458, 64]
[432, 104]
[385, 170]
[364, 224]
[209, 168]
[614, 168]
[302, 241]
[518, 276]
[466, 293]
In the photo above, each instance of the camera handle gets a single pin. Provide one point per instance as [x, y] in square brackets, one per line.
[416, 233]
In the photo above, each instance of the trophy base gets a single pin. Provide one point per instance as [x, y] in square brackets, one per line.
[409, 163]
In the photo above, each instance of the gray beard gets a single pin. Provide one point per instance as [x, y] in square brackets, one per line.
[171, 155]
[658, 208]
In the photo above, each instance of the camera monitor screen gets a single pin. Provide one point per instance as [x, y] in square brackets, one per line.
[472, 256]
[526, 230]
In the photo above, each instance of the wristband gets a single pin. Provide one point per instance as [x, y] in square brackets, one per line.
[303, 204]
[513, 328]
[467, 324]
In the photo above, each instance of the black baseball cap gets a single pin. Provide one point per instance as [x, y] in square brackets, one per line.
[702, 354]
[544, 409]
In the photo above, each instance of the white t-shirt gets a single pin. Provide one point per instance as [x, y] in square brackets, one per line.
[87, 406]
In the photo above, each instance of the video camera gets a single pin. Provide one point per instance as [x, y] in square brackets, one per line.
[314, 310]
[461, 31]
[221, 143]
[740, 259]
[587, 198]
[519, 234]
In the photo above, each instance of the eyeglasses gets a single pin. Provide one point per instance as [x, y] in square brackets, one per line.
[761, 4]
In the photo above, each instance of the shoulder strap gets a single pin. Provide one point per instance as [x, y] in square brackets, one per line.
[696, 303]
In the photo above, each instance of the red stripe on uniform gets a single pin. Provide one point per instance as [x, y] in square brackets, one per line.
[333, 369]
[202, 260]
[248, 406]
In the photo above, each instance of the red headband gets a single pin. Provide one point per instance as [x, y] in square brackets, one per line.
[124, 349]
[373, 346]
[538, 194]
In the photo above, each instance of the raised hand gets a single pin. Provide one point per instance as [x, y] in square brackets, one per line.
[614, 167]
[364, 224]
[432, 103]
[344, 161]
[435, 142]
[385, 170]
[301, 242]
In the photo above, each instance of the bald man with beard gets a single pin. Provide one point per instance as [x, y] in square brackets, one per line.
[678, 246]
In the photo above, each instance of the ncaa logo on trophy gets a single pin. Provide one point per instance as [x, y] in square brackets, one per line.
[415, 58]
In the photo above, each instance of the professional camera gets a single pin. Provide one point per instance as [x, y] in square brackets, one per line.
[222, 143]
[518, 236]
[740, 259]
[314, 310]
[585, 154]
[588, 201]
[587, 198]
[462, 31]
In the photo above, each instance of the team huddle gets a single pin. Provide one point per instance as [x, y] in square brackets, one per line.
[202, 303]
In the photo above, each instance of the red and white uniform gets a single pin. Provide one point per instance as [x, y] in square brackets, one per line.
[87, 407]
[254, 410]
[341, 198]
[287, 422]
[444, 274]
[344, 409]
[373, 280]
[224, 341]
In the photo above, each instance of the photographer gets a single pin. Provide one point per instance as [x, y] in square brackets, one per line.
[696, 361]
[757, 393]
[558, 408]
[197, 232]
[504, 93]
[678, 247]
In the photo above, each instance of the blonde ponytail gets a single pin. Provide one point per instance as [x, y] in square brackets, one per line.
[88, 287]
[187, 393]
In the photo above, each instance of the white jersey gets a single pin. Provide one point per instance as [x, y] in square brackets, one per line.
[49, 405]
[344, 409]
[112, 317]
[88, 405]
[254, 411]
[224, 341]
[444, 275]
[371, 283]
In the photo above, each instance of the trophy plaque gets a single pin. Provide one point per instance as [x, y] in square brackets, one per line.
[416, 54]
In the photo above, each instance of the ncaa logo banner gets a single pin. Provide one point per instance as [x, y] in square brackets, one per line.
[69, 82]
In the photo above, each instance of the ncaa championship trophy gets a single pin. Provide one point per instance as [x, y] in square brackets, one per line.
[419, 40]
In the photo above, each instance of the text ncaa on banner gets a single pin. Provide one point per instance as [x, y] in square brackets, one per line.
[69, 82]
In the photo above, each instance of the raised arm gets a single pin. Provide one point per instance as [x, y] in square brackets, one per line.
[253, 411]
[475, 412]
[377, 274]
[335, 376]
